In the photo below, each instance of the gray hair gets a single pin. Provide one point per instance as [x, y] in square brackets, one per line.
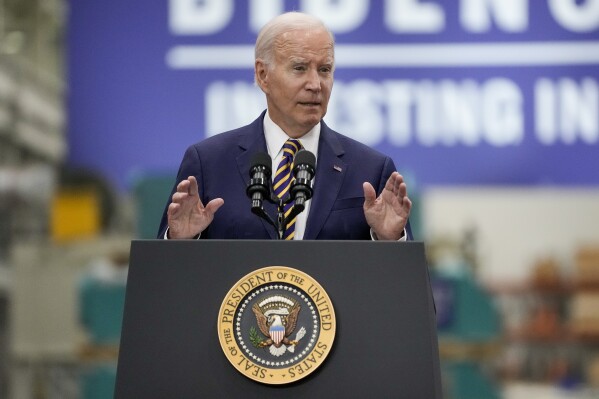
[289, 21]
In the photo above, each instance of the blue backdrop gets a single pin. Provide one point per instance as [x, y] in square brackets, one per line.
[457, 92]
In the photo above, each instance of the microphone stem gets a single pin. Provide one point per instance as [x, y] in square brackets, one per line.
[281, 219]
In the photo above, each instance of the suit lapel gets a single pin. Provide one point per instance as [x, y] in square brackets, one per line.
[330, 172]
[250, 144]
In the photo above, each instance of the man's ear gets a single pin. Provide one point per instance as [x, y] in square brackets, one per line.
[261, 71]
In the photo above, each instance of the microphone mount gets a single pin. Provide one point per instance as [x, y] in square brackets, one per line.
[260, 189]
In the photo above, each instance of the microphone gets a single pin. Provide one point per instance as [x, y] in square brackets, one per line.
[303, 170]
[258, 188]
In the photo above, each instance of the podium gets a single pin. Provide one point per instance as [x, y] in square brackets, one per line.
[385, 344]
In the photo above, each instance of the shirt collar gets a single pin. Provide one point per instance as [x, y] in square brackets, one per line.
[276, 137]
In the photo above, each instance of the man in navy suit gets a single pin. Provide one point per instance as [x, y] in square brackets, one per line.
[294, 67]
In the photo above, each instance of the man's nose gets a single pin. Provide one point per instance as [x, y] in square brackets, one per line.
[313, 80]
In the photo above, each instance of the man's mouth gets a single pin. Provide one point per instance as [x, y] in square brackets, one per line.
[310, 104]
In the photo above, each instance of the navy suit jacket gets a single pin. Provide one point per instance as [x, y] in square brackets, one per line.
[221, 166]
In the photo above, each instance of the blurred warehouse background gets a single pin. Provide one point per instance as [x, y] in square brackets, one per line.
[490, 108]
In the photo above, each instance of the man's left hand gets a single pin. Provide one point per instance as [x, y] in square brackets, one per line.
[388, 214]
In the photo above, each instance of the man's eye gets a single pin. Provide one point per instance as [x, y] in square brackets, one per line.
[299, 68]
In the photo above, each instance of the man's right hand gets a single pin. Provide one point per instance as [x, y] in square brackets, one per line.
[187, 216]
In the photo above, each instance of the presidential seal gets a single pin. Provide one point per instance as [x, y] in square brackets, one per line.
[276, 325]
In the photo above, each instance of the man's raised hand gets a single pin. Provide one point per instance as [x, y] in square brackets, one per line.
[388, 214]
[187, 216]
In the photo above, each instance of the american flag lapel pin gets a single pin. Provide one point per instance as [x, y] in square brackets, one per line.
[337, 168]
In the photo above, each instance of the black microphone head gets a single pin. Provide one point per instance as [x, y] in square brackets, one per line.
[303, 171]
[262, 159]
[304, 157]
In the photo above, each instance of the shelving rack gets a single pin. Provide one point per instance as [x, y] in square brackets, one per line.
[32, 137]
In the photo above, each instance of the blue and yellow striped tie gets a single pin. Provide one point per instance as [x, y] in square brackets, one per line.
[282, 181]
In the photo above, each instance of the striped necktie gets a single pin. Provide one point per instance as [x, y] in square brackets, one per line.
[282, 181]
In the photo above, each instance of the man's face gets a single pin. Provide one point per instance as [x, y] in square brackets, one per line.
[298, 85]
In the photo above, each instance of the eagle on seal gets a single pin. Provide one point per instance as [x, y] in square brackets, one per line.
[277, 324]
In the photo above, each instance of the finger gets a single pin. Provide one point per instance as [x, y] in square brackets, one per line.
[173, 209]
[214, 205]
[407, 205]
[179, 197]
[399, 180]
[403, 190]
[393, 183]
[390, 182]
[183, 186]
[369, 195]
[193, 185]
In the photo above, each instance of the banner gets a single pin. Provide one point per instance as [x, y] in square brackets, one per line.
[456, 92]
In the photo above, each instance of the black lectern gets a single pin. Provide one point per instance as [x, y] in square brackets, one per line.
[385, 344]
